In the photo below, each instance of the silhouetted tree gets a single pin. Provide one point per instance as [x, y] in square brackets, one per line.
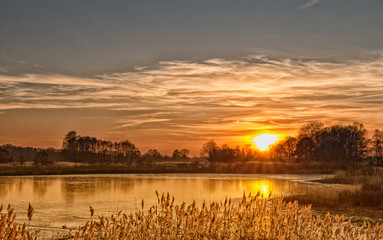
[247, 153]
[128, 151]
[41, 158]
[21, 160]
[330, 148]
[70, 141]
[350, 141]
[176, 155]
[209, 150]
[377, 147]
[184, 153]
[359, 145]
[225, 154]
[310, 132]
[289, 147]
[276, 152]
[151, 156]
[284, 150]
[305, 149]
[334, 143]
[212, 152]
[91, 149]
[5, 157]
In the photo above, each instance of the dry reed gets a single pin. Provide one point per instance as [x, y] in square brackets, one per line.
[251, 218]
[9, 229]
[30, 212]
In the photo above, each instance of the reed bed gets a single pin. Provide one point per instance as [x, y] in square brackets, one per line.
[253, 217]
[368, 191]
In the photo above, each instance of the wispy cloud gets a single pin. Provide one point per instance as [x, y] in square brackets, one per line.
[186, 102]
[23, 62]
[310, 3]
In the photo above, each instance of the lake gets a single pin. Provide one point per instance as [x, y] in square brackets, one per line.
[65, 200]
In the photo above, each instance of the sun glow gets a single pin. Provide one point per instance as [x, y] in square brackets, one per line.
[263, 187]
[264, 141]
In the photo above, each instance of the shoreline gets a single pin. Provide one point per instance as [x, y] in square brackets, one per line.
[237, 168]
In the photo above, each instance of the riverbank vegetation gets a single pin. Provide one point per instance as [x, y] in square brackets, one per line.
[65, 168]
[252, 217]
[362, 200]
[368, 191]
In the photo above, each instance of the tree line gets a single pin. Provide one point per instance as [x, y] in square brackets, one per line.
[213, 153]
[86, 149]
[90, 149]
[20, 155]
[315, 142]
[336, 143]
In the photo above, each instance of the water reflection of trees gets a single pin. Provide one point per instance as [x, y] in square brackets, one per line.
[40, 186]
[88, 187]
[20, 186]
[210, 185]
[125, 189]
[4, 188]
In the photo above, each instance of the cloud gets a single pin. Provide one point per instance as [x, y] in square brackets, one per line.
[188, 102]
[310, 3]
[23, 62]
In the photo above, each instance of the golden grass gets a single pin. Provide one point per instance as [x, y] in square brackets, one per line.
[251, 218]
[367, 193]
[30, 212]
[9, 229]
[365, 175]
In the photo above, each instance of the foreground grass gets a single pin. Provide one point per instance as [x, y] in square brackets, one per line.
[9, 229]
[252, 217]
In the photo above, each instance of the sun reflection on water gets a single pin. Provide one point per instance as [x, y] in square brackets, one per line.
[263, 187]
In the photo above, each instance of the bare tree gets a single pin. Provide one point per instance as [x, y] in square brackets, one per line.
[176, 155]
[184, 153]
[377, 146]
[209, 150]
[289, 147]
[41, 158]
[310, 132]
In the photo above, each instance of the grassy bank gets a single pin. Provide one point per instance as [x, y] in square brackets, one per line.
[243, 167]
[368, 191]
[365, 200]
[251, 217]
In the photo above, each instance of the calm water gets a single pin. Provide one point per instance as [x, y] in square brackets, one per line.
[65, 200]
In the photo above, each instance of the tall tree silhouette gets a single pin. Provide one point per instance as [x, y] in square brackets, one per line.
[209, 150]
[377, 147]
[310, 132]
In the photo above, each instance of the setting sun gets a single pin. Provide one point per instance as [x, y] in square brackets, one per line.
[263, 142]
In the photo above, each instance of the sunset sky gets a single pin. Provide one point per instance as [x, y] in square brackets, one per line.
[177, 73]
